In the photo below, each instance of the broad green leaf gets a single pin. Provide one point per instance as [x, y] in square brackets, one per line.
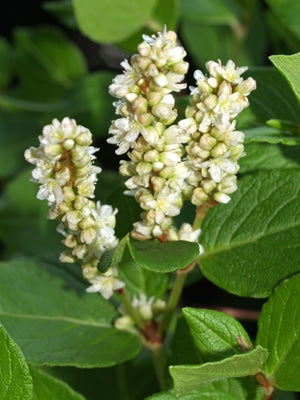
[138, 280]
[217, 335]
[110, 22]
[213, 12]
[251, 243]
[63, 11]
[226, 389]
[270, 135]
[55, 322]
[6, 63]
[163, 257]
[288, 12]
[289, 67]
[47, 387]
[273, 97]
[279, 332]
[46, 55]
[265, 156]
[15, 378]
[190, 377]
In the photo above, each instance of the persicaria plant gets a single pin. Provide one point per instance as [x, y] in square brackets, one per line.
[192, 219]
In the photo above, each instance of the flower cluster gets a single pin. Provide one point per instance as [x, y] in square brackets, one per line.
[65, 172]
[215, 145]
[145, 132]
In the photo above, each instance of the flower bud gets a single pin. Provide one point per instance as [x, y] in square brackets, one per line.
[221, 197]
[124, 322]
[199, 197]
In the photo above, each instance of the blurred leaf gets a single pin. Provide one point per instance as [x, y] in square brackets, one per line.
[213, 12]
[283, 39]
[217, 43]
[167, 13]
[6, 63]
[24, 228]
[270, 135]
[63, 11]
[163, 257]
[243, 41]
[265, 156]
[288, 11]
[217, 335]
[16, 382]
[279, 332]
[110, 22]
[88, 102]
[289, 67]
[273, 97]
[55, 322]
[255, 233]
[190, 377]
[118, 382]
[46, 387]
[17, 131]
[46, 56]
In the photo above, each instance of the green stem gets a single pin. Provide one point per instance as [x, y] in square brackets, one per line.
[172, 302]
[132, 311]
[159, 367]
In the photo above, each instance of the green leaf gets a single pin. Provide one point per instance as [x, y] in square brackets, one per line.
[163, 257]
[45, 55]
[164, 13]
[46, 387]
[273, 98]
[138, 280]
[63, 11]
[279, 332]
[213, 12]
[17, 132]
[6, 63]
[289, 67]
[288, 12]
[182, 348]
[167, 13]
[217, 335]
[217, 43]
[128, 210]
[190, 377]
[88, 102]
[251, 243]
[121, 19]
[16, 381]
[270, 135]
[24, 228]
[264, 156]
[226, 389]
[55, 322]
